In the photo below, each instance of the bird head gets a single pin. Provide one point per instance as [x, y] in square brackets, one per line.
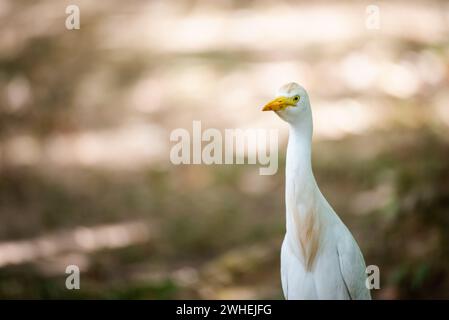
[291, 103]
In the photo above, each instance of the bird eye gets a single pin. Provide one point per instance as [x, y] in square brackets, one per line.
[296, 98]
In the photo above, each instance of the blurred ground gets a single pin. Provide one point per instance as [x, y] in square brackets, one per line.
[85, 118]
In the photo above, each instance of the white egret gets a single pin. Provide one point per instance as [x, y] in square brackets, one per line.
[319, 257]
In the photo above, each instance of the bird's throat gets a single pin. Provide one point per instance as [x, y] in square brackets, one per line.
[303, 221]
[299, 159]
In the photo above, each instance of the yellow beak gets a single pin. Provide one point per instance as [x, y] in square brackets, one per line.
[279, 103]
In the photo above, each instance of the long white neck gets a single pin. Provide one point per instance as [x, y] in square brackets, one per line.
[301, 193]
[298, 169]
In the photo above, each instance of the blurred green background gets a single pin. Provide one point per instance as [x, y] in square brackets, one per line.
[85, 119]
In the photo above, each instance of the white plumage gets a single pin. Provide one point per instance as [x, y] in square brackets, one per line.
[319, 258]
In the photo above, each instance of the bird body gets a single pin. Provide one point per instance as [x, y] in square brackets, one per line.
[319, 257]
